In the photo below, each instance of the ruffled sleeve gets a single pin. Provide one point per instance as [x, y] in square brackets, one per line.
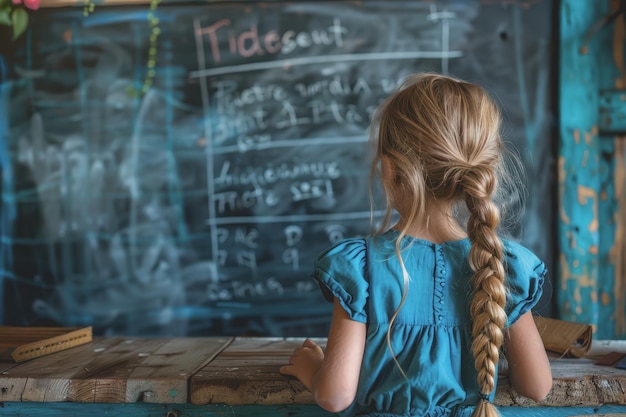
[525, 278]
[341, 270]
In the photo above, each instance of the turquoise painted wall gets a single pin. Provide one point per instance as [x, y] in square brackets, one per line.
[591, 287]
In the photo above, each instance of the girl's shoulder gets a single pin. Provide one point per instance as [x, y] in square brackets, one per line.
[525, 278]
[347, 257]
[520, 259]
[341, 270]
[350, 248]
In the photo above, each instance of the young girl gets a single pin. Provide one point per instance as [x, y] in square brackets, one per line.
[423, 307]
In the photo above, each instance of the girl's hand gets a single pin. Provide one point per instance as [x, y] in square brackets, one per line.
[305, 363]
[332, 374]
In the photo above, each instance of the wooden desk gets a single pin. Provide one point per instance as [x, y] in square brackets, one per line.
[239, 377]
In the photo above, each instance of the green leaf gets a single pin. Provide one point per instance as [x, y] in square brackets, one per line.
[20, 22]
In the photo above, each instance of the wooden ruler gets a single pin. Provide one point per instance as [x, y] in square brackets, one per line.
[24, 343]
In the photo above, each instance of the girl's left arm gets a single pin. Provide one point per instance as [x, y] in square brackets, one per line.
[529, 368]
[332, 377]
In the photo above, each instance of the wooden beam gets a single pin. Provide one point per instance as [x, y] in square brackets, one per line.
[609, 63]
[578, 163]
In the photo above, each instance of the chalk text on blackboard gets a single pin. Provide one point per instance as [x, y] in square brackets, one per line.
[252, 43]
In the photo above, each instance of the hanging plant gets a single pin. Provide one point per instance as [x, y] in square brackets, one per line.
[89, 7]
[155, 31]
[13, 14]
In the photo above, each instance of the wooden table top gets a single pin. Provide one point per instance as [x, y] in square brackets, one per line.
[242, 371]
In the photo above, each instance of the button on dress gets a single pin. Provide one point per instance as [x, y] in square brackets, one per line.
[431, 336]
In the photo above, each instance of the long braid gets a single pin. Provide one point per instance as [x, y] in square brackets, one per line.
[487, 305]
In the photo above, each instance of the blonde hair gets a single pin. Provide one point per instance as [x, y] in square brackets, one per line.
[440, 135]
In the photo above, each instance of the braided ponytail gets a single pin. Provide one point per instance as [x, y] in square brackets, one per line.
[489, 297]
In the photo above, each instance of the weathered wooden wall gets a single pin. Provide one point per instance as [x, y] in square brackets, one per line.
[592, 205]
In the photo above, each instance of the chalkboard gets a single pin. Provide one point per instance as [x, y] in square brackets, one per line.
[178, 177]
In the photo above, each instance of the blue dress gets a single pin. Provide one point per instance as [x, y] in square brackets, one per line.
[431, 335]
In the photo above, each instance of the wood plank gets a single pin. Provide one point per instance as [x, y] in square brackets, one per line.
[576, 382]
[147, 370]
[611, 281]
[102, 378]
[220, 410]
[29, 381]
[112, 370]
[601, 415]
[164, 376]
[617, 260]
[247, 373]
[5, 365]
[267, 346]
[578, 164]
